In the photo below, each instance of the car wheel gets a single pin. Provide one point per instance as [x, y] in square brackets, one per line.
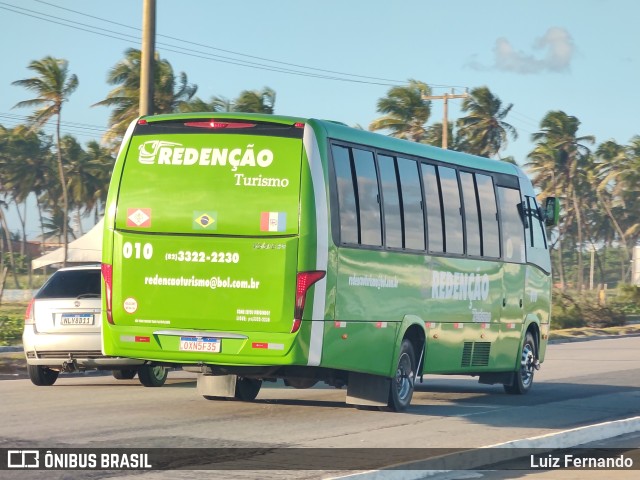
[124, 374]
[42, 376]
[523, 378]
[152, 375]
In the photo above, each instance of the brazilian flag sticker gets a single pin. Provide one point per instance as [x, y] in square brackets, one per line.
[205, 220]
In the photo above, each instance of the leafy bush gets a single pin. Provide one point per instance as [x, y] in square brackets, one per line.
[573, 312]
[11, 329]
[627, 300]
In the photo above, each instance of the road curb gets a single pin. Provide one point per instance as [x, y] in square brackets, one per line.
[501, 452]
[10, 348]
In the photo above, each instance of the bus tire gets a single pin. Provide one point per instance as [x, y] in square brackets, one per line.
[247, 389]
[42, 376]
[124, 373]
[152, 375]
[402, 384]
[523, 378]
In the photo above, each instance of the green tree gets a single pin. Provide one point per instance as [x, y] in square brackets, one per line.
[27, 167]
[568, 154]
[53, 84]
[406, 112]
[617, 187]
[483, 130]
[433, 136]
[170, 93]
[255, 101]
[217, 104]
[101, 165]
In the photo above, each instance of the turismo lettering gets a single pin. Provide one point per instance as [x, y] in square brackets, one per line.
[259, 181]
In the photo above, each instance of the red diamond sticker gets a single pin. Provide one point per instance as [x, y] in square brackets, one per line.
[139, 217]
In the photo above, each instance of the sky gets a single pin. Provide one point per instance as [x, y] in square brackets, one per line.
[334, 59]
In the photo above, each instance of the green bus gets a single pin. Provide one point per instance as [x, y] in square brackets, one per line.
[251, 248]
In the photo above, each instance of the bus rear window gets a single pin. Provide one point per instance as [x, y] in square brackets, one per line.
[193, 180]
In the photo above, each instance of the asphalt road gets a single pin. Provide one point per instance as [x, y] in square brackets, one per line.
[580, 383]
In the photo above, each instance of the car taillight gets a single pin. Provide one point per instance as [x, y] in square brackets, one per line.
[303, 283]
[107, 275]
[28, 315]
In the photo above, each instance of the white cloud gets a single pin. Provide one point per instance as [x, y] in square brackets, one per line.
[557, 47]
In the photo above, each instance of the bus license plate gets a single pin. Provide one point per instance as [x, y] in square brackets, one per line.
[200, 344]
[76, 319]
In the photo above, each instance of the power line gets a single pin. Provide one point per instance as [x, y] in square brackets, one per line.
[77, 129]
[199, 54]
[224, 50]
[85, 126]
[182, 50]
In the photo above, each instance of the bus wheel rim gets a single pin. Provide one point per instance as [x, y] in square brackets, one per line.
[404, 377]
[526, 362]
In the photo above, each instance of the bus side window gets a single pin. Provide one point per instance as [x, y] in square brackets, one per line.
[471, 217]
[391, 202]
[435, 226]
[512, 225]
[346, 197]
[368, 198]
[489, 216]
[454, 234]
[411, 204]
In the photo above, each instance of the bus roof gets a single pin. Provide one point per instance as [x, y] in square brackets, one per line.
[339, 131]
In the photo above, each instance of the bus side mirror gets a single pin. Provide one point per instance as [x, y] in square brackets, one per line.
[551, 211]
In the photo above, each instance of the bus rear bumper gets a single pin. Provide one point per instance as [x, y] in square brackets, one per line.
[194, 347]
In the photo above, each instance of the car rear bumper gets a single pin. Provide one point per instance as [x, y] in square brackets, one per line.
[83, 349]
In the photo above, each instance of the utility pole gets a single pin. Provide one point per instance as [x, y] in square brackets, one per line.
[148, 53]
[445, 121]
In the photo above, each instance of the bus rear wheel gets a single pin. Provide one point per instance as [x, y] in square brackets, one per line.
[247, 389]
[523, 378]
[124, 373]
[402, 385]
[152, 375]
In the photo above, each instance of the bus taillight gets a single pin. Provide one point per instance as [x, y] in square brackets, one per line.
[217, 125]
[303, 283]
[107, 275]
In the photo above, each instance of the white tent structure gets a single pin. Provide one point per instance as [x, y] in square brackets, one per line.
[86, 249]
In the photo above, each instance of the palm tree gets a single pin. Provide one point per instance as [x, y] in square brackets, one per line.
[217, 104]
[80, 181]
[618, 185]
[483, 130]
[255, 101]
[558, 131]
[169, 92]
[406, 112]
[101, 165]
[53, 86]
[7, 236]
[27, 167]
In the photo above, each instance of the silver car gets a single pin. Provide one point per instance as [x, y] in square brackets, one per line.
[62, 331]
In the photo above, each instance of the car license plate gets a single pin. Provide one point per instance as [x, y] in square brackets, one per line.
[200, 344]
[77, 319]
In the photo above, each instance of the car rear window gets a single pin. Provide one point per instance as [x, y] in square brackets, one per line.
[71, 284]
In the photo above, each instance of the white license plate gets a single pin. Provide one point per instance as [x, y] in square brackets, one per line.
[200, 344]
[77, 319]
